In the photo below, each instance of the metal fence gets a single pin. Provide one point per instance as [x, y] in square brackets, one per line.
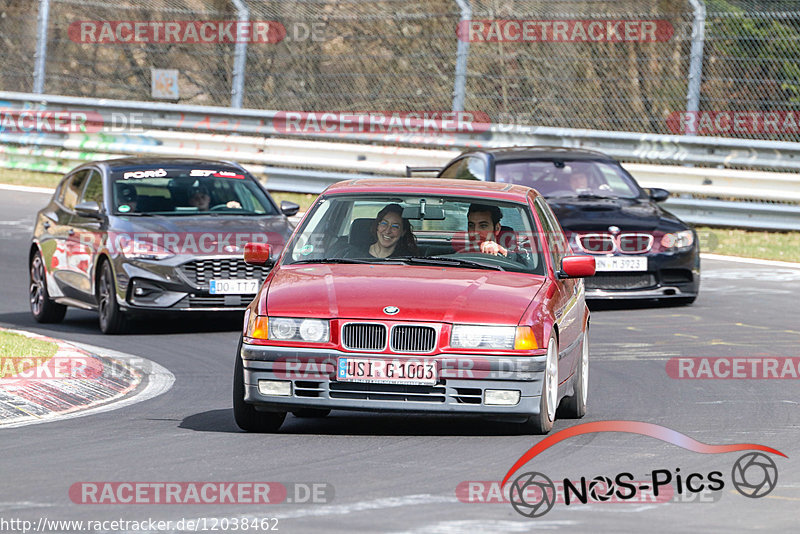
[717, 56]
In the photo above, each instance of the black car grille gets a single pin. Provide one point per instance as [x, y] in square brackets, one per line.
[201, 272]
[596, 243]
[220, 301]
[364, 336]
[386, 392]
[628, 243]
[413, 339]
[621, 281]
[635, 243]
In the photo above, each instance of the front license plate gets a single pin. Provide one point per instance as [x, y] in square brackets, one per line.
[234, 287]
[385, 371]
[620, 263]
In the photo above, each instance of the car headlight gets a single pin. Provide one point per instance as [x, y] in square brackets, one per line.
[467, 336]
[145, 250]
[677, 240]
[294, 329]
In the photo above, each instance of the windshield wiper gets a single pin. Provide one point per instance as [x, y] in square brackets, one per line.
[342, 260]
[450, 262]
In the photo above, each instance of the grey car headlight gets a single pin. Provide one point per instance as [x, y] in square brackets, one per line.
[295, 329]
[468, 336]
[677, 240]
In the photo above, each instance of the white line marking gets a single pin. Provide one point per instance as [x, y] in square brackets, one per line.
[159, 381]
[483, 525]
[375, 504]
[26, 188]
[754, 261]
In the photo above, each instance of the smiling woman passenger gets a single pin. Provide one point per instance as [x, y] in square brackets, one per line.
[392, 235]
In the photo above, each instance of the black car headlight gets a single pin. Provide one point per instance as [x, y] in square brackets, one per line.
[678, 240]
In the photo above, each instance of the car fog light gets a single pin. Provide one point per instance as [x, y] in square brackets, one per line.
[279, 388]
[504, 397]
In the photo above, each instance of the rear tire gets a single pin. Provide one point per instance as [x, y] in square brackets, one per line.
[247, 417]
[542, 422]
[311, 412]
[574, 407]
[43, 308]
[112, 319]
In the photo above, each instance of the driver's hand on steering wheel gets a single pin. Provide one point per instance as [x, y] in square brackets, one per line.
[491, 247]
[233, 204]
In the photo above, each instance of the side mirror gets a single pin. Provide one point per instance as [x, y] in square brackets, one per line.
[289, 208]
[576, 267]
[257, 254]
[658, 195]
[90, 208]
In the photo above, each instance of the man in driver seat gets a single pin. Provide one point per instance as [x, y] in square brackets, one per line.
[200, 199]
[483, 228]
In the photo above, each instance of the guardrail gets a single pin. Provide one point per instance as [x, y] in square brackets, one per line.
[309, 162]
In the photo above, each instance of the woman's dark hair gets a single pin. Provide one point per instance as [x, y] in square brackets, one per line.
[407, 244]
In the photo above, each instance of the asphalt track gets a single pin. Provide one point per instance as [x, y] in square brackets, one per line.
[396, 473]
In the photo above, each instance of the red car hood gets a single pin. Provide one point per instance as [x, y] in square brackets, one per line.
[422, 293]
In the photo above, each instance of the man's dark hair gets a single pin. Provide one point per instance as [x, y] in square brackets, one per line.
[493, 211]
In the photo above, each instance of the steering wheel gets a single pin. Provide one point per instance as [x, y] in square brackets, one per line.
[220, 207]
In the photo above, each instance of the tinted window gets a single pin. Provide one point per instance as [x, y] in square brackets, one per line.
[569, 178]
[469, 168]
[188, 191]
[71, 191]
[94, 189]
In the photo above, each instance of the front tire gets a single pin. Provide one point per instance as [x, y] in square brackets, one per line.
[43, 308]
[542, 422]
[247, 417]
[112, 319]
[574, 407]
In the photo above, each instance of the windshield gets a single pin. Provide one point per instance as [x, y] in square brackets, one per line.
[417, 231]
[188, 191]
[555, 179]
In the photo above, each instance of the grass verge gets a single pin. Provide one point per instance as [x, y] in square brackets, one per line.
[19, 353]
[779, 246]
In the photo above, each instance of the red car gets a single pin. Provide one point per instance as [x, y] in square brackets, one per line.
[405, 295]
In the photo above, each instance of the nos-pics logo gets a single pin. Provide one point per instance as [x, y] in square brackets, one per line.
[533, 494]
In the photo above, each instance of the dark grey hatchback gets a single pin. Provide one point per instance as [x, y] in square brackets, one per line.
[138, 235]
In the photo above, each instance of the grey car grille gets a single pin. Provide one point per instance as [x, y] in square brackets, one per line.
[364, 336]
[413, 339]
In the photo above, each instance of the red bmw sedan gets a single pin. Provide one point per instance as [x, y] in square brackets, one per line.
[405, 295]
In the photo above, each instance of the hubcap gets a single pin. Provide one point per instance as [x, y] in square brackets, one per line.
[37, 286]
[104, 295]
[551, 379]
